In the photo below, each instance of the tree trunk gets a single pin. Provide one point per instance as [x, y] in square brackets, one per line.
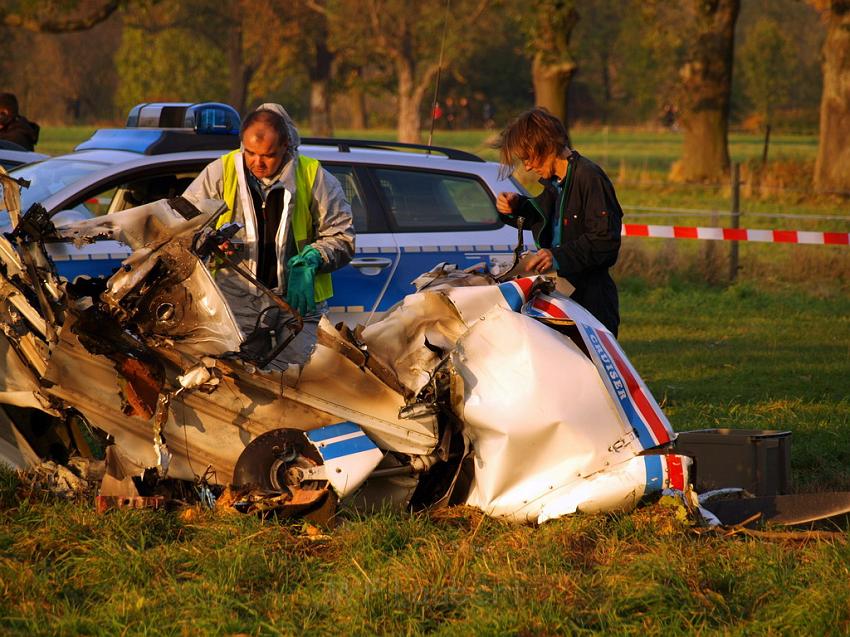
[705, 89]
[359, 113]
[832, 168]
[705, 153]
[238, 76]
[409, 119]
[606, 86]
[320, 82]
[551, 83]
[320, 108]
[357, 99]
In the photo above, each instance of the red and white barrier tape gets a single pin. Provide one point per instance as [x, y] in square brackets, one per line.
[736, 234]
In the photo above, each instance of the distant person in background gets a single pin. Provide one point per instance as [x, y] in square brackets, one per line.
[449, 113]
[14, 127]
[668, 116]
[438, 112]
[487, 114]
[576, 220]
[463, 113]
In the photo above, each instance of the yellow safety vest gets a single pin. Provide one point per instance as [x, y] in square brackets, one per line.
[301, 221]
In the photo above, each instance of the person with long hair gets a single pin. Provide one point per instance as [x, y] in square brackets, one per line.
[576, 220]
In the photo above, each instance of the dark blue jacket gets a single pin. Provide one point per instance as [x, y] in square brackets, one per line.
[590, 235]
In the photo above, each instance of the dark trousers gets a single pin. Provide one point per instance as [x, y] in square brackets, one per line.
[597, 293]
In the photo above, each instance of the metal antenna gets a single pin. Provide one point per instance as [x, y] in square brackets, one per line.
[439, 72]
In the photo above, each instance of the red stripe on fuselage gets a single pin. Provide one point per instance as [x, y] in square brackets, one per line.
[675, 472]
[550, 308]
[525, 285]
[640, 399]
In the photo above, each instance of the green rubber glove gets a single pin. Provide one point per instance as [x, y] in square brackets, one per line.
[300, 272]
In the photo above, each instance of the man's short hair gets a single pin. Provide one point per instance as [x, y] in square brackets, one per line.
[271, 119]
[534, 133]
[9, 102]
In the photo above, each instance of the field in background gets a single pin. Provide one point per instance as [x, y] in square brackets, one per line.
[771, 351]
[654, 148]
[637, 161]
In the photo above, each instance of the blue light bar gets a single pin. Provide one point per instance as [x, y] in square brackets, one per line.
[170, 127]
[213, 118]
[207, 118]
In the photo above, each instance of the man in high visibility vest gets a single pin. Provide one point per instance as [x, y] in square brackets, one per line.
[296, 222]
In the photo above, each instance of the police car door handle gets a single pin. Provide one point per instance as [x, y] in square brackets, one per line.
[371, 266]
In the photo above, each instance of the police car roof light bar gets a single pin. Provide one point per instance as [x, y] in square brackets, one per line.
[170, 127]
[206, 118]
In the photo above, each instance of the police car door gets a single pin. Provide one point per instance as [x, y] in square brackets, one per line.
[440, 217]
[360, 286]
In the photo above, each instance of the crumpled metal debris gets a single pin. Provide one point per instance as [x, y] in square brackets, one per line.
[509, 397]
[79, 479]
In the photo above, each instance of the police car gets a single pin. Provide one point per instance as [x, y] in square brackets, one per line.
[413, 206]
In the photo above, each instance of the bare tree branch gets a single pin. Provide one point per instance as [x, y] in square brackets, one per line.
[317, 7]
[472, 16]
[425, 81]
[55, 25]
[378, 31]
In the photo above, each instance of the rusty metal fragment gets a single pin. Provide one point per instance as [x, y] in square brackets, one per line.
[104, 503]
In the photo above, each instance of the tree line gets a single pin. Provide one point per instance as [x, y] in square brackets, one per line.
[694, 65]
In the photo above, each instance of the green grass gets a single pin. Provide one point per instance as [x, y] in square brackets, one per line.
[739, 356]
[55, 140]
[655, 149]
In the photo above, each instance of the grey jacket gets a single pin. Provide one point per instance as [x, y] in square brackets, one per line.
[331, 213]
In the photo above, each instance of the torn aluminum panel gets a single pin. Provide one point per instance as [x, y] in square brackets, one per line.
[15, 450]
[513, 379]
[557, 418]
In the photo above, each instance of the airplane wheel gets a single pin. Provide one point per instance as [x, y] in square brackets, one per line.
[274, 461]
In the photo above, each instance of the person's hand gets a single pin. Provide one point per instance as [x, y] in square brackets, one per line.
[506, 201]
[301, 272]
[540, 262]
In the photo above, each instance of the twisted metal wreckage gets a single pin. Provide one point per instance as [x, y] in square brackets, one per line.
[504, 396]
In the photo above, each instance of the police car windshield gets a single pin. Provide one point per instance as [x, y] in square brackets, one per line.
[49, 177]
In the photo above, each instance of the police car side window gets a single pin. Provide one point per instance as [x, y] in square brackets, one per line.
[420, 200]
[98, 204]
[351, 187]
[120, 194]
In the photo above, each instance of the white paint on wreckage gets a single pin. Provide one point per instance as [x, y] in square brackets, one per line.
[549, 434]
[201, 429]
[213, 428]
[557, 421]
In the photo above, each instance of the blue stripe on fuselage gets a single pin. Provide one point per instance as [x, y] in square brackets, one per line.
[346, 447]
[654, 474]
[333, 431]
[512, 296]
[613, 374]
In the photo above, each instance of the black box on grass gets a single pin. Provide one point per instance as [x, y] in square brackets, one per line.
[758, 460]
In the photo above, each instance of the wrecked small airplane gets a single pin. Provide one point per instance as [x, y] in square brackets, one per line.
[503, 395]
